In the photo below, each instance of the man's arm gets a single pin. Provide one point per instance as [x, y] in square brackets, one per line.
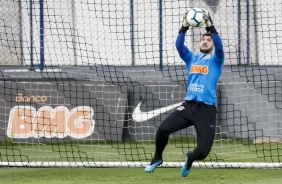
[215, 37]
[181, 48]
[179, 44]
[217, 45]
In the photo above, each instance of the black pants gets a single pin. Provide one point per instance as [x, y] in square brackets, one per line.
[202, 116]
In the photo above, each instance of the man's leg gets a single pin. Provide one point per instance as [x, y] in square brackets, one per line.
[177, 120]
[205, 125]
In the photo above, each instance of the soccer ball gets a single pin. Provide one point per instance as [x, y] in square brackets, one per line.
[195, 17]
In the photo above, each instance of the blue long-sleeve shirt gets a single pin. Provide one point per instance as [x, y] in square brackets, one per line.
[203, 70]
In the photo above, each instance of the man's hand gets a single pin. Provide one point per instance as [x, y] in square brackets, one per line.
[207, 17]
[185, 23]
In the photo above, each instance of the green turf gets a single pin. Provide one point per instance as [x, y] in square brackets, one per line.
[223, 150]
[137, 176]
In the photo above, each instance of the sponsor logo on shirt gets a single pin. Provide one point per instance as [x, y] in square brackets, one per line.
[200, 69]
[197, 88]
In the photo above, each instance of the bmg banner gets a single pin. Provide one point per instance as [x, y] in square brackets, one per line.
[31, 111]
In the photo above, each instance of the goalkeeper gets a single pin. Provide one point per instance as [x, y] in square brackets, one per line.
[199, 108]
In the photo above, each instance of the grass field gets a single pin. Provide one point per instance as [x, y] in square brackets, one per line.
[232, 150]
[137, 175]
[223, 150]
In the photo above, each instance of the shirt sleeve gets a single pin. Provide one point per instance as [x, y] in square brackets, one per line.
[219, 53]
[181, 48]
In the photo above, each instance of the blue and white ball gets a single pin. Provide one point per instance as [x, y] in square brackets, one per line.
[195, 17]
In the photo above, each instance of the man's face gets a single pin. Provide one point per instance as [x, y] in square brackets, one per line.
[206, 45]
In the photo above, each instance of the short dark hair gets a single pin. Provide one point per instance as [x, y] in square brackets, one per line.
[207, 34]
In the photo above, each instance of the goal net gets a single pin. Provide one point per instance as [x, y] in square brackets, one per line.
[87, 83]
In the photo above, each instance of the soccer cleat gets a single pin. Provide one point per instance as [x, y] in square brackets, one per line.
[184, 170]
[154, 163]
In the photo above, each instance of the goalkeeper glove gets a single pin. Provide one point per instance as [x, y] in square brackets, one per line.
[207, 17]
[208, 20]
[185, 24]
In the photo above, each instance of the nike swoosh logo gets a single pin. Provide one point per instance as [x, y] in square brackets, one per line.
[140, 116]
